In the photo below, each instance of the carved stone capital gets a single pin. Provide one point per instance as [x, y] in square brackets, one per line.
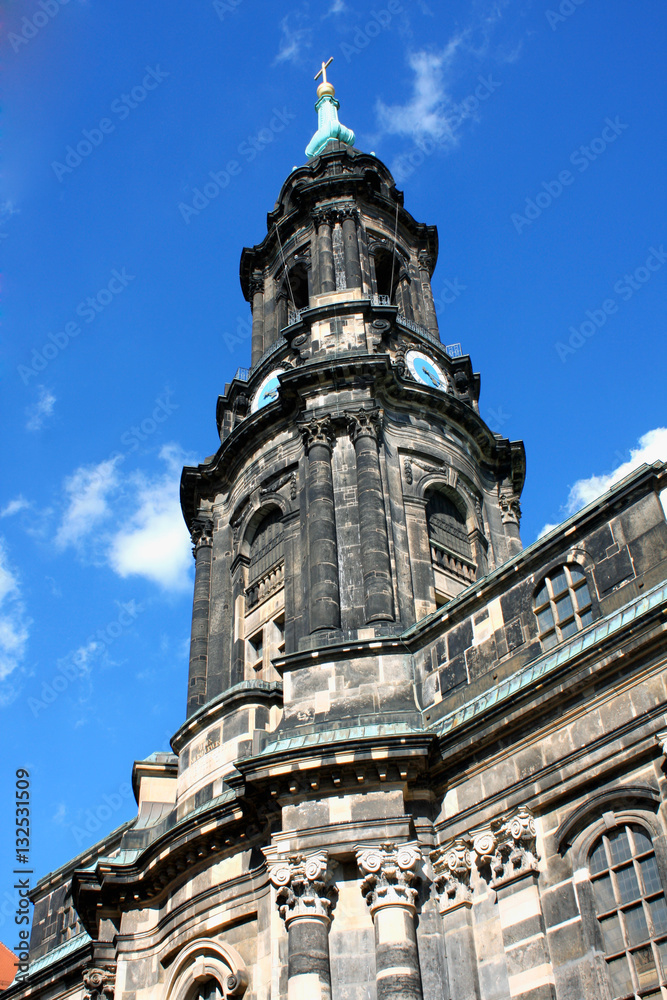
[99, 983]
[304, 886]
[508, 849]
[201, 532]
[324, 217]
[391, 873]
[348, 212]
[452, 866]
[510, 508]
[318, 432]
[363, 423]
[256, 283]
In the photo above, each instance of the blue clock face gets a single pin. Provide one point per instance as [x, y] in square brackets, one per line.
[425, 370]
[267, 391]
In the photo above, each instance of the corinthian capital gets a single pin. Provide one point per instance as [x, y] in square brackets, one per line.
[391, 873]
[363, 423]
[452, 866]
[318, 432]
[304, 885]
[201, 532]
[256, 283]
[509, 848]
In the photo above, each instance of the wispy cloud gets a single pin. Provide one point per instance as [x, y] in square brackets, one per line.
[426, 112]
[337, 7]
[154, 542]
[88, 490]
[651, 447]
[41, 410]
[19, 503]
[295, 36]
[14, 624]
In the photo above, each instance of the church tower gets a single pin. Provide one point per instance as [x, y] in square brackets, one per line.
[418, 761]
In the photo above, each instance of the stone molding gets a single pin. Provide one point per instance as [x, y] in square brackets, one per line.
[304, 886]
[391, 874]
[661, 740]
[452, 866]
[99, 983]
[318, 432]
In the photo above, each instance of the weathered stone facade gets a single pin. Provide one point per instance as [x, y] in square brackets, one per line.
[418, 760]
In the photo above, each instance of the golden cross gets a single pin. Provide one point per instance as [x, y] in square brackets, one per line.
[323, 71]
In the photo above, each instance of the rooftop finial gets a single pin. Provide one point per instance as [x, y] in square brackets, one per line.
[328, 126]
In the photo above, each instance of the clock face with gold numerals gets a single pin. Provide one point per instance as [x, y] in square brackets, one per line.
[267, 391]
[425, 370]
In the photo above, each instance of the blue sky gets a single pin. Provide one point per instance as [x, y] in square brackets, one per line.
[530, 132]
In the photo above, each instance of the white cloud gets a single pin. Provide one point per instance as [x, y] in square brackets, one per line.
[40, 411]
[88, 490]
[14, 626]
[14, 506]
[292, 39]
[154, 541]
[651, 447]
[337, 7]
[426, 113]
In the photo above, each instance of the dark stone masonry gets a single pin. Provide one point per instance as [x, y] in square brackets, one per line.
[418, 761]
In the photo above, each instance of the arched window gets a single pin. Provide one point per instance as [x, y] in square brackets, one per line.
[265, 594]
[562, 605]
[451, 552]
[210, 989]
[632, 911]
[387, 268]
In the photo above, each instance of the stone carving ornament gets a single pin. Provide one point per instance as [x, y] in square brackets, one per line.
[318, 432]
[390, 874]
[452, 867]
[508, 848]
[510, 508]
[99, 984]
[304, 885]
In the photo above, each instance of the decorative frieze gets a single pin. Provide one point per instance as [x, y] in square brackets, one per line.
[391, 874]
[452, 866]
[304, 886]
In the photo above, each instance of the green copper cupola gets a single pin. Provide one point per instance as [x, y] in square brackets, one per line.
[328, 126]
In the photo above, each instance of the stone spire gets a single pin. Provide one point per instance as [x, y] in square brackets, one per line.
[328, 126]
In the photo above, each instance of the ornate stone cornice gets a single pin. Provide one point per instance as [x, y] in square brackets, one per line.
[304, 886]
[318, 432]
[99, 983]
[363, 423]
[391, 873]
[452, 866]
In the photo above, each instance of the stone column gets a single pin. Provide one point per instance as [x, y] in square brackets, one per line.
[403, 300]
[202, 537]
[257, 292]
[430, 319]
[510, 509]
[327, 275]
[351, 248]
[304, 898]
[507, 857]
[452, 866]
[324, 596]
[376, 566]
[390, 874]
